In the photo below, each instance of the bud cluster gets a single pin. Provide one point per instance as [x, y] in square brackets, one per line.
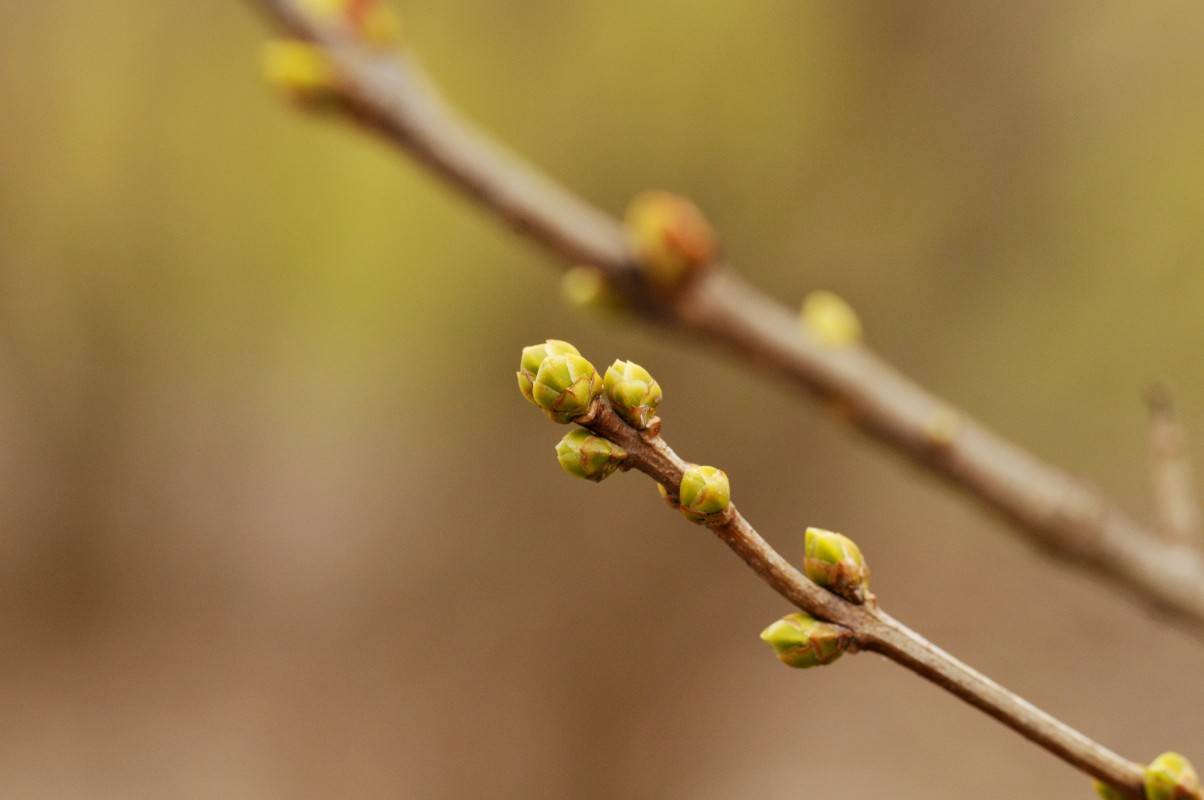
[555, 377]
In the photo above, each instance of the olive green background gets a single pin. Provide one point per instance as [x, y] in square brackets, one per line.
[274, 521]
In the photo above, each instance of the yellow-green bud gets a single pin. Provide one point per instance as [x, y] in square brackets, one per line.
[830, 319]
[801, 641]
[588, 287]
[301, 70]
[633, 392]
[1106, 792]
[671, 237]
[1170, 776]
[533, 356]
[704, 493]
[564, 386]
[584, 455]
[835, 562]
[371, 21]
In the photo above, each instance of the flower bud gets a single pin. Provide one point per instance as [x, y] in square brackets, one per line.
[633, 392]
[835, 562]
[671, 237]
[589, 288]
[801, 641]
[830, 319]
[302, 71]
[371, 21]
[533, 356]
[704, 493]
[584, 455]
[565, 386]
[1106, 792]
[1170, 776]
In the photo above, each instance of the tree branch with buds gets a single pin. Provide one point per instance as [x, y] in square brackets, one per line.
[660, 266]
[619, 431]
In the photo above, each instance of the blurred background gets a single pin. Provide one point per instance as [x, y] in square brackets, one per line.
[250, 362]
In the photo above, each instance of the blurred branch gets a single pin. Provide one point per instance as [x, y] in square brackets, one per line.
[1175, 498]
[872, 628]
[1065, 516]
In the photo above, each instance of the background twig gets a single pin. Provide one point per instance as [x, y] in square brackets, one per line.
[1065, 516]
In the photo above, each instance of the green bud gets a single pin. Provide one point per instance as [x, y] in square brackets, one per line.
[801, 641]
[633, 392]
[584, 455]
[533, 356]
[835, 562]
[564, 386]
[1106, 792]
[704, 492]
[1170, 776]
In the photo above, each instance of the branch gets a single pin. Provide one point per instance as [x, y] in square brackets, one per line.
[1175, 499]
[1063, 515]
[872, 628]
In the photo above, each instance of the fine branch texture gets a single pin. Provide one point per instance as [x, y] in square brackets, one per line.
[872, 628]
[1065, 516]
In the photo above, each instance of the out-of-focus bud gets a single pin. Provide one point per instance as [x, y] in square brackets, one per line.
[302, 71]
[372, 21]
[801, 641]
[835, 562]
[565, 386]
[584, 455]
[633, 392]
[533, 356]
[669, 499]
[672, 238]
[830, 319]
[1170, 776]
[1106, 792]
[588, 288]
[705, 494]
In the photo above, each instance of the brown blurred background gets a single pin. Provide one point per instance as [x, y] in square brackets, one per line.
[274, 521]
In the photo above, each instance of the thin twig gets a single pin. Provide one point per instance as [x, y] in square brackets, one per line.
[872, 628]
[1065, 516]
[1175, 498]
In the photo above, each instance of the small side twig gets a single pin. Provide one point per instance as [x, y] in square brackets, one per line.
[1176, 502]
